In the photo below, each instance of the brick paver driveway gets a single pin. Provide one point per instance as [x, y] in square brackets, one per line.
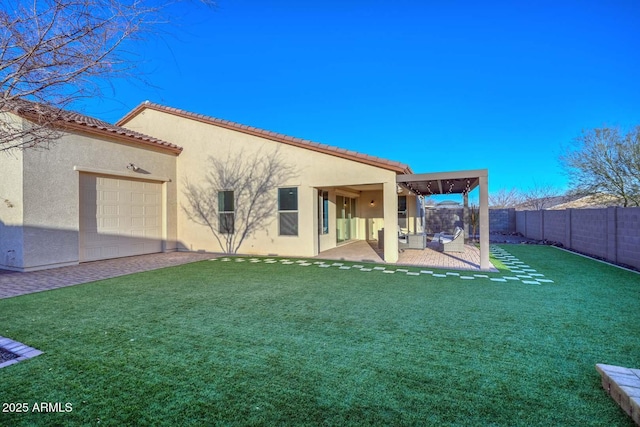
[13, 284]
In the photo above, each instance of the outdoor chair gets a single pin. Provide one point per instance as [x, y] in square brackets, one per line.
[454, 242]
[403, 239]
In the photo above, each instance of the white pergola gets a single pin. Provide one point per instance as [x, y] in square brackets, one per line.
[461, 182]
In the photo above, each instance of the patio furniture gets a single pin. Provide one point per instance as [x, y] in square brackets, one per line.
[417, 241]
[452, 243]
[405, 241]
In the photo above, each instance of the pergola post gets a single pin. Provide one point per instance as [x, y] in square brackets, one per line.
[485, 264]
[465, 215]
[390, 212]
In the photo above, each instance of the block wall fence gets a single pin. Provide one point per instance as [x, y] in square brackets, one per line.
[447, 219]
[610, 233]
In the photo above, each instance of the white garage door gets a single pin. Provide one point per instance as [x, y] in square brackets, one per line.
[119, 217]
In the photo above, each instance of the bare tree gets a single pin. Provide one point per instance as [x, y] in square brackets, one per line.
[603, 161]
[54, 52]
[504, 198]
[237, 196]
[540, 196]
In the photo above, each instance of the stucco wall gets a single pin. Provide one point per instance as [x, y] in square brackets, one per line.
[314, 171]
[51, 192]
[371, 217]
[11, 207]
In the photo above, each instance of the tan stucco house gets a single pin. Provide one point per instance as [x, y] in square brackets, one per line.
[106, 191]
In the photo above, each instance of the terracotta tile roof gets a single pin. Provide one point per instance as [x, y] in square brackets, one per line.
[71, 120]
[274, 136]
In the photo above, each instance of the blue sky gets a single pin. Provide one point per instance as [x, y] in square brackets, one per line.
[439, 85]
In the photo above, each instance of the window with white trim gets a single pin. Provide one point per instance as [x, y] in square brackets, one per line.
[288, 211]
[226, 212]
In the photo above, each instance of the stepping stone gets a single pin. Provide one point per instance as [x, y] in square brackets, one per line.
[213, 259]
[467, 277]
[510, 278]
[271, 262]
[357, 266]
[545, 281]
[388, 271]
[345, 267]
[304, 264]
[426, 271]
[287, 262]
[254, 260]
[482, 276]
[240, 260]
[412, 273]
[495, 279]
[402, 270]
[378, 268]
[337, 264]
[530, 282]
[324, 266]
[439, 275]
[365, 269]
[523, 276]
[453, 274]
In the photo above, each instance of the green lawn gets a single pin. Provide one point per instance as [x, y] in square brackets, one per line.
[230, 343]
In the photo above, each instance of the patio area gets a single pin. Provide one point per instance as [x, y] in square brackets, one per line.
[367, 251]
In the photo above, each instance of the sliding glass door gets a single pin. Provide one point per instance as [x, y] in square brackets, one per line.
[345, 218]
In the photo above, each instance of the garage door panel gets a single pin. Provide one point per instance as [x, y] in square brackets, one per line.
[119, 217]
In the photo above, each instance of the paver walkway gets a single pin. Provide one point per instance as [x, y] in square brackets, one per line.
[13, 284]
[363, 251]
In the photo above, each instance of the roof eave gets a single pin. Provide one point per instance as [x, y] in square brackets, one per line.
[85, 128]
[399, 168]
